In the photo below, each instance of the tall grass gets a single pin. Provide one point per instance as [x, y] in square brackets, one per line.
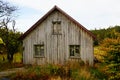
[4, 64]
[17, 58]
[69, 71]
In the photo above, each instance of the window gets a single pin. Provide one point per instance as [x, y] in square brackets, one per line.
[56, 27]
[74, 51]
[39, 50]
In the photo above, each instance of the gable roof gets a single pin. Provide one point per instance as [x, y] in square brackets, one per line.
[62, 12]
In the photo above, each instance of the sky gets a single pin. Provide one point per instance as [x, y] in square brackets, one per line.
[92, 14]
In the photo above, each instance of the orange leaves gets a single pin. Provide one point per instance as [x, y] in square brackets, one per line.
[110, 44]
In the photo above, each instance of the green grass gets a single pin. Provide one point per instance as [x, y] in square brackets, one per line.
[4, 65]
[17, 58]
[1, 57]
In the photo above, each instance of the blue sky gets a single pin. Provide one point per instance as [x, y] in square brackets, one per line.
[90, 13]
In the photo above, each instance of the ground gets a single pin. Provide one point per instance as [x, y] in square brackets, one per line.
[10, 71]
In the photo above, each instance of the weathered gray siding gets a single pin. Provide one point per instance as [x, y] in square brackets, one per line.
[57, 46]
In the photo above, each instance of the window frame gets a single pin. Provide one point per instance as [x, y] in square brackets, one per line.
[39, 54]
[57, 28]
[75, 53]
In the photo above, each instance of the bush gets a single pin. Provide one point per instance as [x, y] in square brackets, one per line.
[98, 74]
[112, 58]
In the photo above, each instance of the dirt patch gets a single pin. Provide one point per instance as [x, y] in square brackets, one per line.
[10, 71]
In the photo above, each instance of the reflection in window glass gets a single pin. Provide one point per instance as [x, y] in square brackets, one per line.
[75, 50]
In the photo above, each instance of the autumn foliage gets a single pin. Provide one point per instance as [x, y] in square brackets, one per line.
[112, 58]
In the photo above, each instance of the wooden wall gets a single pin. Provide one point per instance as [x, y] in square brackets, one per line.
[57, 46]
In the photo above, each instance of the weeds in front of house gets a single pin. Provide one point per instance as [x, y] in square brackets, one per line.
[69, 71]
[46, 72]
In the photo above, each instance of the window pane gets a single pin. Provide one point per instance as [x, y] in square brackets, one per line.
[75, 50]
[42, 52]
[59, 28]
[71, 52]
[36, 50]
[56, 27]
[39, 50]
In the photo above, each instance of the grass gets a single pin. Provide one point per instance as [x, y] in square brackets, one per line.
[17, 58]
[79, 71]
[1, 57]
[4, 65]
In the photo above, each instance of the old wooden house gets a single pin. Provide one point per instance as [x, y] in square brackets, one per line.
[57, 38]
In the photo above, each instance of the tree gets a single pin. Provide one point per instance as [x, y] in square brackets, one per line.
[6, 9]
[111, 32]
[7, 21]
[1, 41]
[2, 48]
[2, 44]
[112, 58]
[13, 44]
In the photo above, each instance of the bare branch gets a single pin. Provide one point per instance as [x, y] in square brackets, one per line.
[13, 25]
[6, 15]
[6, 9]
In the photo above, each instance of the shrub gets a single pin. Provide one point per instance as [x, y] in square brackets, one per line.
[98, 74]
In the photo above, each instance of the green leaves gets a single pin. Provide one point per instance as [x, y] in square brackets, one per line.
[111, 32]
[10, 38]
[112, 59]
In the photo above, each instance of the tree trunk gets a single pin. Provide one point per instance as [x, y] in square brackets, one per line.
[10, 57]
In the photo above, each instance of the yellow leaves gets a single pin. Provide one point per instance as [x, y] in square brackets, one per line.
[110, 44]
[1, 41]
[98, 53]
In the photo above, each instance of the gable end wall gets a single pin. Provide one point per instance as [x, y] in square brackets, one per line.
[57, 47]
